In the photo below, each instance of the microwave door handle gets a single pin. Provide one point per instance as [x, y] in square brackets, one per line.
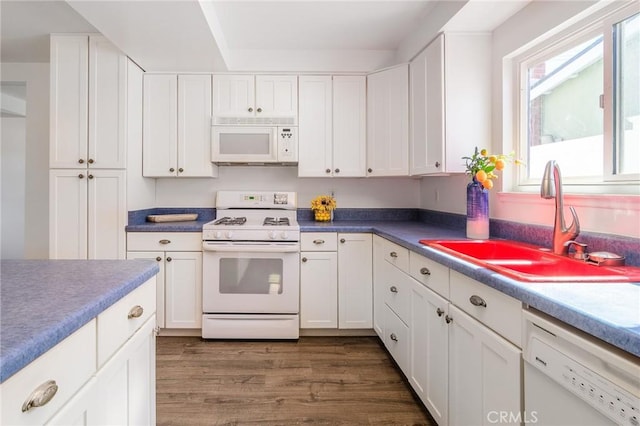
[251, 248]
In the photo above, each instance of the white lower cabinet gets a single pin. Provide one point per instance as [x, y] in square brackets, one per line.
[456, 340]
[484, 373]
[336, 280]
[179, 292]
[104, 372]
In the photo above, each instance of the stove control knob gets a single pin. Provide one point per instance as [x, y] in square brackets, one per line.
[229, 234]
[284, 235]
[218, 235]
[272, 235]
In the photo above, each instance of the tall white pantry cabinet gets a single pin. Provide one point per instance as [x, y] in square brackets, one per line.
[88, 114]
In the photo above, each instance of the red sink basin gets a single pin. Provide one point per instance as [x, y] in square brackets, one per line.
[525, 262]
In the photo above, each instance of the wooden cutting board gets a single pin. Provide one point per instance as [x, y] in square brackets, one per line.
[183, 217]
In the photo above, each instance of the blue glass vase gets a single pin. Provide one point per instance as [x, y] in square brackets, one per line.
[477, 211]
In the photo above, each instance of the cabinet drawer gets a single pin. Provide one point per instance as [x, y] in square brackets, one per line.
[318, 241]
[164, 241]
[71, 363]
[496, 310]
[396, 255]
[432, 274]
[118, 322]
[396, 290]
[396, 339]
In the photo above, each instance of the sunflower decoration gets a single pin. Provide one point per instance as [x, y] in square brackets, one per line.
[322, 206]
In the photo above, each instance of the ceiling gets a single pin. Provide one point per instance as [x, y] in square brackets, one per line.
[239, 35]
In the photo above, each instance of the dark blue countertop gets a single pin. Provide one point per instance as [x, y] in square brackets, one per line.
[610, 312]
[44, 301]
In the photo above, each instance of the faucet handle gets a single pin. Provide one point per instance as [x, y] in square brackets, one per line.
[580, 249]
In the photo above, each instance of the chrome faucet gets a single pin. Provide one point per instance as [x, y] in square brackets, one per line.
[551, 187]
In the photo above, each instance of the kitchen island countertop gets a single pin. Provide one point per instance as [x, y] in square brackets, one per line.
[44, 301]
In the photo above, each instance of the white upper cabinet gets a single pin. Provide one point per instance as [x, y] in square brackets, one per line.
[255, 97]
[315, 148]
[332, 127]
[450, 102]
[177, 126]
[87, 104]
[349, 126]
[388, 122]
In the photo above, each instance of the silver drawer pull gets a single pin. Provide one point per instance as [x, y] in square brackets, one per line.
[165, 241]
[393, 337]
[318, 241]
[448, 319]
[477, 301]
[439, 312]
[41, 395]
[393, 254]
[304, 259]
[135, 312]
[393, 289]
[425, 271]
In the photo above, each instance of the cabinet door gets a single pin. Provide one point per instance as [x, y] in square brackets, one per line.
[126, 383]
[158, 256]
[107, 214]
[484, 372]
[107, 105]
[68, 102]
[68, 214]
[315, 123]
[234, 96]
[194, 126]
[349, 126]
[81, 410]
[183, 289]
[427, 110]
[429, 354]
[277, 96]
[319, 290]
[388, 122]
[160, 117]
[355, 281]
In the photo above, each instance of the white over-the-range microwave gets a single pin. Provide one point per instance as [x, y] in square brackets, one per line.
[249, 142]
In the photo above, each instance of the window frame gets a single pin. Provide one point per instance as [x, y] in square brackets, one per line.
[597, 24]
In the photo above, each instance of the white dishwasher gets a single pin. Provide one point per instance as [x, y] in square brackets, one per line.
[571, 378]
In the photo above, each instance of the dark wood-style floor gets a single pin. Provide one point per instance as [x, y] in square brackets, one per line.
[315, 380]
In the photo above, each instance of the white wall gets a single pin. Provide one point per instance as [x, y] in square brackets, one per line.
[36, 168]
[13, 156]
[618, 215]
[349, 192]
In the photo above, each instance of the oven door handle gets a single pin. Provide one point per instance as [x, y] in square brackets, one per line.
[293, 248]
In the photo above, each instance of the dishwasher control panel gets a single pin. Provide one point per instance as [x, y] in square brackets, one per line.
[600, 393]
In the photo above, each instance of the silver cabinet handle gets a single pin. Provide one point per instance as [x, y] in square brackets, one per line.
[135, 312]
[393, 254]
[259, 110]
[81, 161]
[393, 337]
[80, 176]
[90, 161]
[337, 170]
[90, 176]
[318, 241]
[304, 259]
[165, 241]
[180, 170]
[250, 109]
[369, 170]
[477, 301]
[448, 319]
[41, 395]
[169, 259]
[327, 171]
[393, 289]
[437, 164]
[342, 240]
[158, 258]
[172, 170]
[439, 312]
[425, 271]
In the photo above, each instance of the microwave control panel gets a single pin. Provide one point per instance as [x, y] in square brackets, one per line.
[288, 144]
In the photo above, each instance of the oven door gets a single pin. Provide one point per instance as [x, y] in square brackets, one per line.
[254, 277]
